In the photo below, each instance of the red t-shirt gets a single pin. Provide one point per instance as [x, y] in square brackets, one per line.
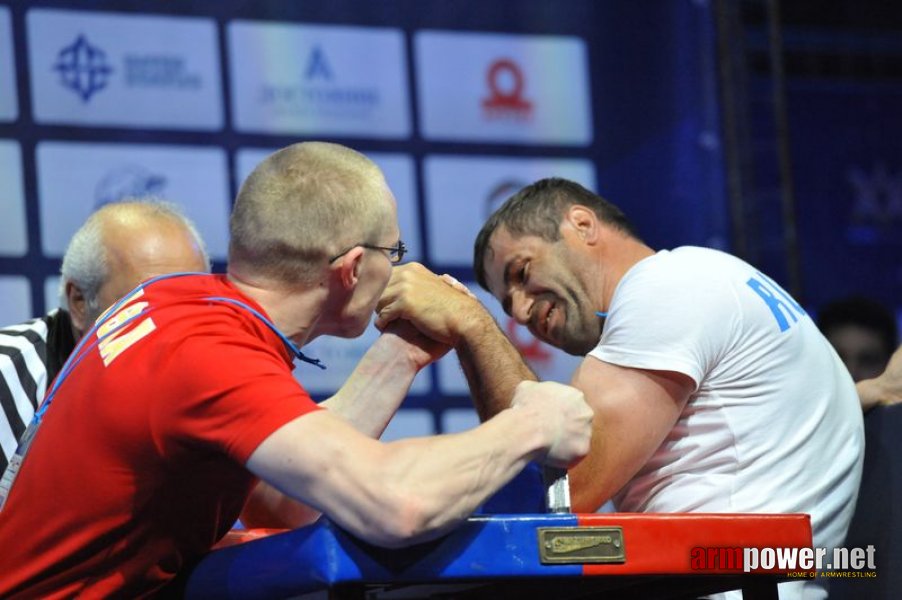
[138, 466]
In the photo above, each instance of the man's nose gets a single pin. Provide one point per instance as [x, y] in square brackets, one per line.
[521, 307]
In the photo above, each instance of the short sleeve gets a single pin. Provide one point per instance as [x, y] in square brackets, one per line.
[234, 392]
[667, 315]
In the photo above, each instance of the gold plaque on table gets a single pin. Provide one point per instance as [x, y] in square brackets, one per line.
[579, 545]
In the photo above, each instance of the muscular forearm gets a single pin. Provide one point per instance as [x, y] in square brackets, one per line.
[402, 492]
[546, 422]
[416, 489]
[492, 365]
[376, 388]
[473, 466]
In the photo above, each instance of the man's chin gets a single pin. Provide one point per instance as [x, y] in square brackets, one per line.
[577, 347]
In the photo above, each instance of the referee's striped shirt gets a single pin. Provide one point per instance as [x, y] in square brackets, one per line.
[31, 354]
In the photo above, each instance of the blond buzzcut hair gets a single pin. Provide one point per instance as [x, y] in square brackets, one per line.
[301, 206]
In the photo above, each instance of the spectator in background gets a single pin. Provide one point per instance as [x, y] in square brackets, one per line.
[118, 246]
[864, 334]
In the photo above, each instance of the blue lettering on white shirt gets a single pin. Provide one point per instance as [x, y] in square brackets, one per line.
[781, 304]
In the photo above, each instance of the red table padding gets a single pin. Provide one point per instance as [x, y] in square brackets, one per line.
[663, 543]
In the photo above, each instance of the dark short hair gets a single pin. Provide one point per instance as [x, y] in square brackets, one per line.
[860, 312]
[537, 210]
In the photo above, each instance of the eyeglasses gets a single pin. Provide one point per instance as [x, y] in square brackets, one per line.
[395, 253]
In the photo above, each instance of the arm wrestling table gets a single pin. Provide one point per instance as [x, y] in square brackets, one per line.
[506, 556]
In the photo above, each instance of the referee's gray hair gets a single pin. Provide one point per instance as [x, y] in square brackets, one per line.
[85, 262]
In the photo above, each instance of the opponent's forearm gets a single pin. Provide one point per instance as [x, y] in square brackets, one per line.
[376, 388]
[492, 365]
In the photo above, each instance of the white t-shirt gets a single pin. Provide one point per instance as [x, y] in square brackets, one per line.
[774, 424]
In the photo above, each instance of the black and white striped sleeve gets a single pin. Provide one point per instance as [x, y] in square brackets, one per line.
[23, 380]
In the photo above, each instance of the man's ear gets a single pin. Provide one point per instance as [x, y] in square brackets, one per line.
[584, 223]
[349, 268]
[78, 308]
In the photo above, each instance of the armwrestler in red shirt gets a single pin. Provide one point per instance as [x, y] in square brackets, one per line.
[181, 400]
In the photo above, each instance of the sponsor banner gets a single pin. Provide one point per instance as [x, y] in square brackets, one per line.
[525, 89]
[91, 68]
[399, 173]
[13, 232]
[341, 355]
[15, 300]
[461, 193]
[318, 79]
[74, 179]
[9, 103]
[549, 363]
